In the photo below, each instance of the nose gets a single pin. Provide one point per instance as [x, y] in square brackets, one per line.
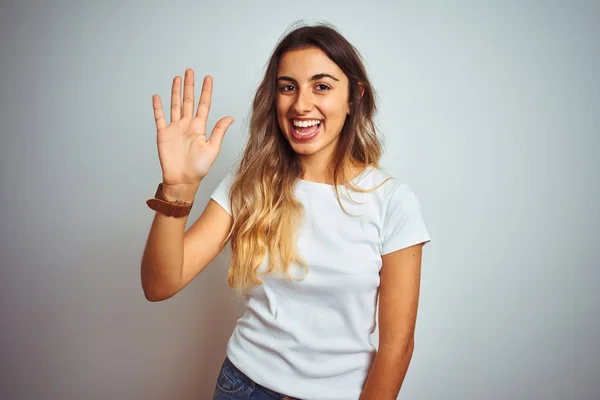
[304, 101]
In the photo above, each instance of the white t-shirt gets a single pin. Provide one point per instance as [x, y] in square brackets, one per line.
[311, 339]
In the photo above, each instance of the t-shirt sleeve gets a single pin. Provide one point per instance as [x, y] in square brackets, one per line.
[221, 193]
[403, 224]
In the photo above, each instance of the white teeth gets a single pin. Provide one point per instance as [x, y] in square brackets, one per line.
[305, 124]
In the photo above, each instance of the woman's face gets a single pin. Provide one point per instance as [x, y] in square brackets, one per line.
[312, 101]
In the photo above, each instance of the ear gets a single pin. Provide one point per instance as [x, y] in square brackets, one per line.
[361, 87]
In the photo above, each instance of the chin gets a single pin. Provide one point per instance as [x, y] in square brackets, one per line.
[304, 151]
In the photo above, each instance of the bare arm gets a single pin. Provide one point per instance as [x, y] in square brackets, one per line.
[173, 258]
[398, 303]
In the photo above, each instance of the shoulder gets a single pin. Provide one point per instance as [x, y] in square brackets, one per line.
[402, 222]
[391, 189]
[393, 201]
[221, 193]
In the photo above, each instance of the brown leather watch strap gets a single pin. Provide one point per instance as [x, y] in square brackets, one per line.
[169, 208]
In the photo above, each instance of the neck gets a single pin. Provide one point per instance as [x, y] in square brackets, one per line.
[316, 170]
[320, 171]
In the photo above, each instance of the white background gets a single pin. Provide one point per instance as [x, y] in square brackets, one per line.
[489, 110]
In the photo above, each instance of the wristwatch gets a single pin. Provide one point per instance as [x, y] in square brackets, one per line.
[176, 208]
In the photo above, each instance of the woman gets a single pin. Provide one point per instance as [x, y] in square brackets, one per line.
[318, 232]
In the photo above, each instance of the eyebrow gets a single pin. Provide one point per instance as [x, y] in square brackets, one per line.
[313, 78]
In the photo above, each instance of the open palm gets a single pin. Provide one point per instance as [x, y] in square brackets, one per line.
[186, 154]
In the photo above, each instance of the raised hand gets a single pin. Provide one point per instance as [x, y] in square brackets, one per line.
[186, 154]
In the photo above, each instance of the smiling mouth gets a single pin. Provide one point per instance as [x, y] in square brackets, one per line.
[306, 132]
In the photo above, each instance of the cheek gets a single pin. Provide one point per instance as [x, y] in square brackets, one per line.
[334, 109]
[277, 103]
[282, 102]
[281, 109]
[281, 115]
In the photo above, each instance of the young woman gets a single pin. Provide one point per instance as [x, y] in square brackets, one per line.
[318, 232]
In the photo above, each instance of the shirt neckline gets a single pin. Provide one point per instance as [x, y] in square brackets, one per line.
[311, 184]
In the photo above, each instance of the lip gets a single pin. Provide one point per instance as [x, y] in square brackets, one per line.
[306, 137]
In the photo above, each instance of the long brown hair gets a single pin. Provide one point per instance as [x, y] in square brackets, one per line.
[266, 213]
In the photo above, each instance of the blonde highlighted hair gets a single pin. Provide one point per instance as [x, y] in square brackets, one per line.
[266, 214]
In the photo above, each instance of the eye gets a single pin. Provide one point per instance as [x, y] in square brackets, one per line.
[323, 87]
[286, 88]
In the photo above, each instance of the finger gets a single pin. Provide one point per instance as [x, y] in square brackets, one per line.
[216, 137]
[159, 117]
[176, 100]
[188, 93]
[205, 99]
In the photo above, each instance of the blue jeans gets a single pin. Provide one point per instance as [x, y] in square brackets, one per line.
[232, 384]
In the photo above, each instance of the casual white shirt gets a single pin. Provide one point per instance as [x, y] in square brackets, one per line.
[311, 339]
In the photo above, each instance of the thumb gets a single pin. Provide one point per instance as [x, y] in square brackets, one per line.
[216, 137]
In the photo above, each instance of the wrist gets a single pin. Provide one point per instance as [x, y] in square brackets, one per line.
[179, 193]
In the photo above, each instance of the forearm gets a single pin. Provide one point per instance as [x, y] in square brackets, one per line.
[162, 261]
[387, 373]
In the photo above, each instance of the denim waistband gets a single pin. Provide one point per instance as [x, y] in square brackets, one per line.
[240, 373]
[255, 385]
